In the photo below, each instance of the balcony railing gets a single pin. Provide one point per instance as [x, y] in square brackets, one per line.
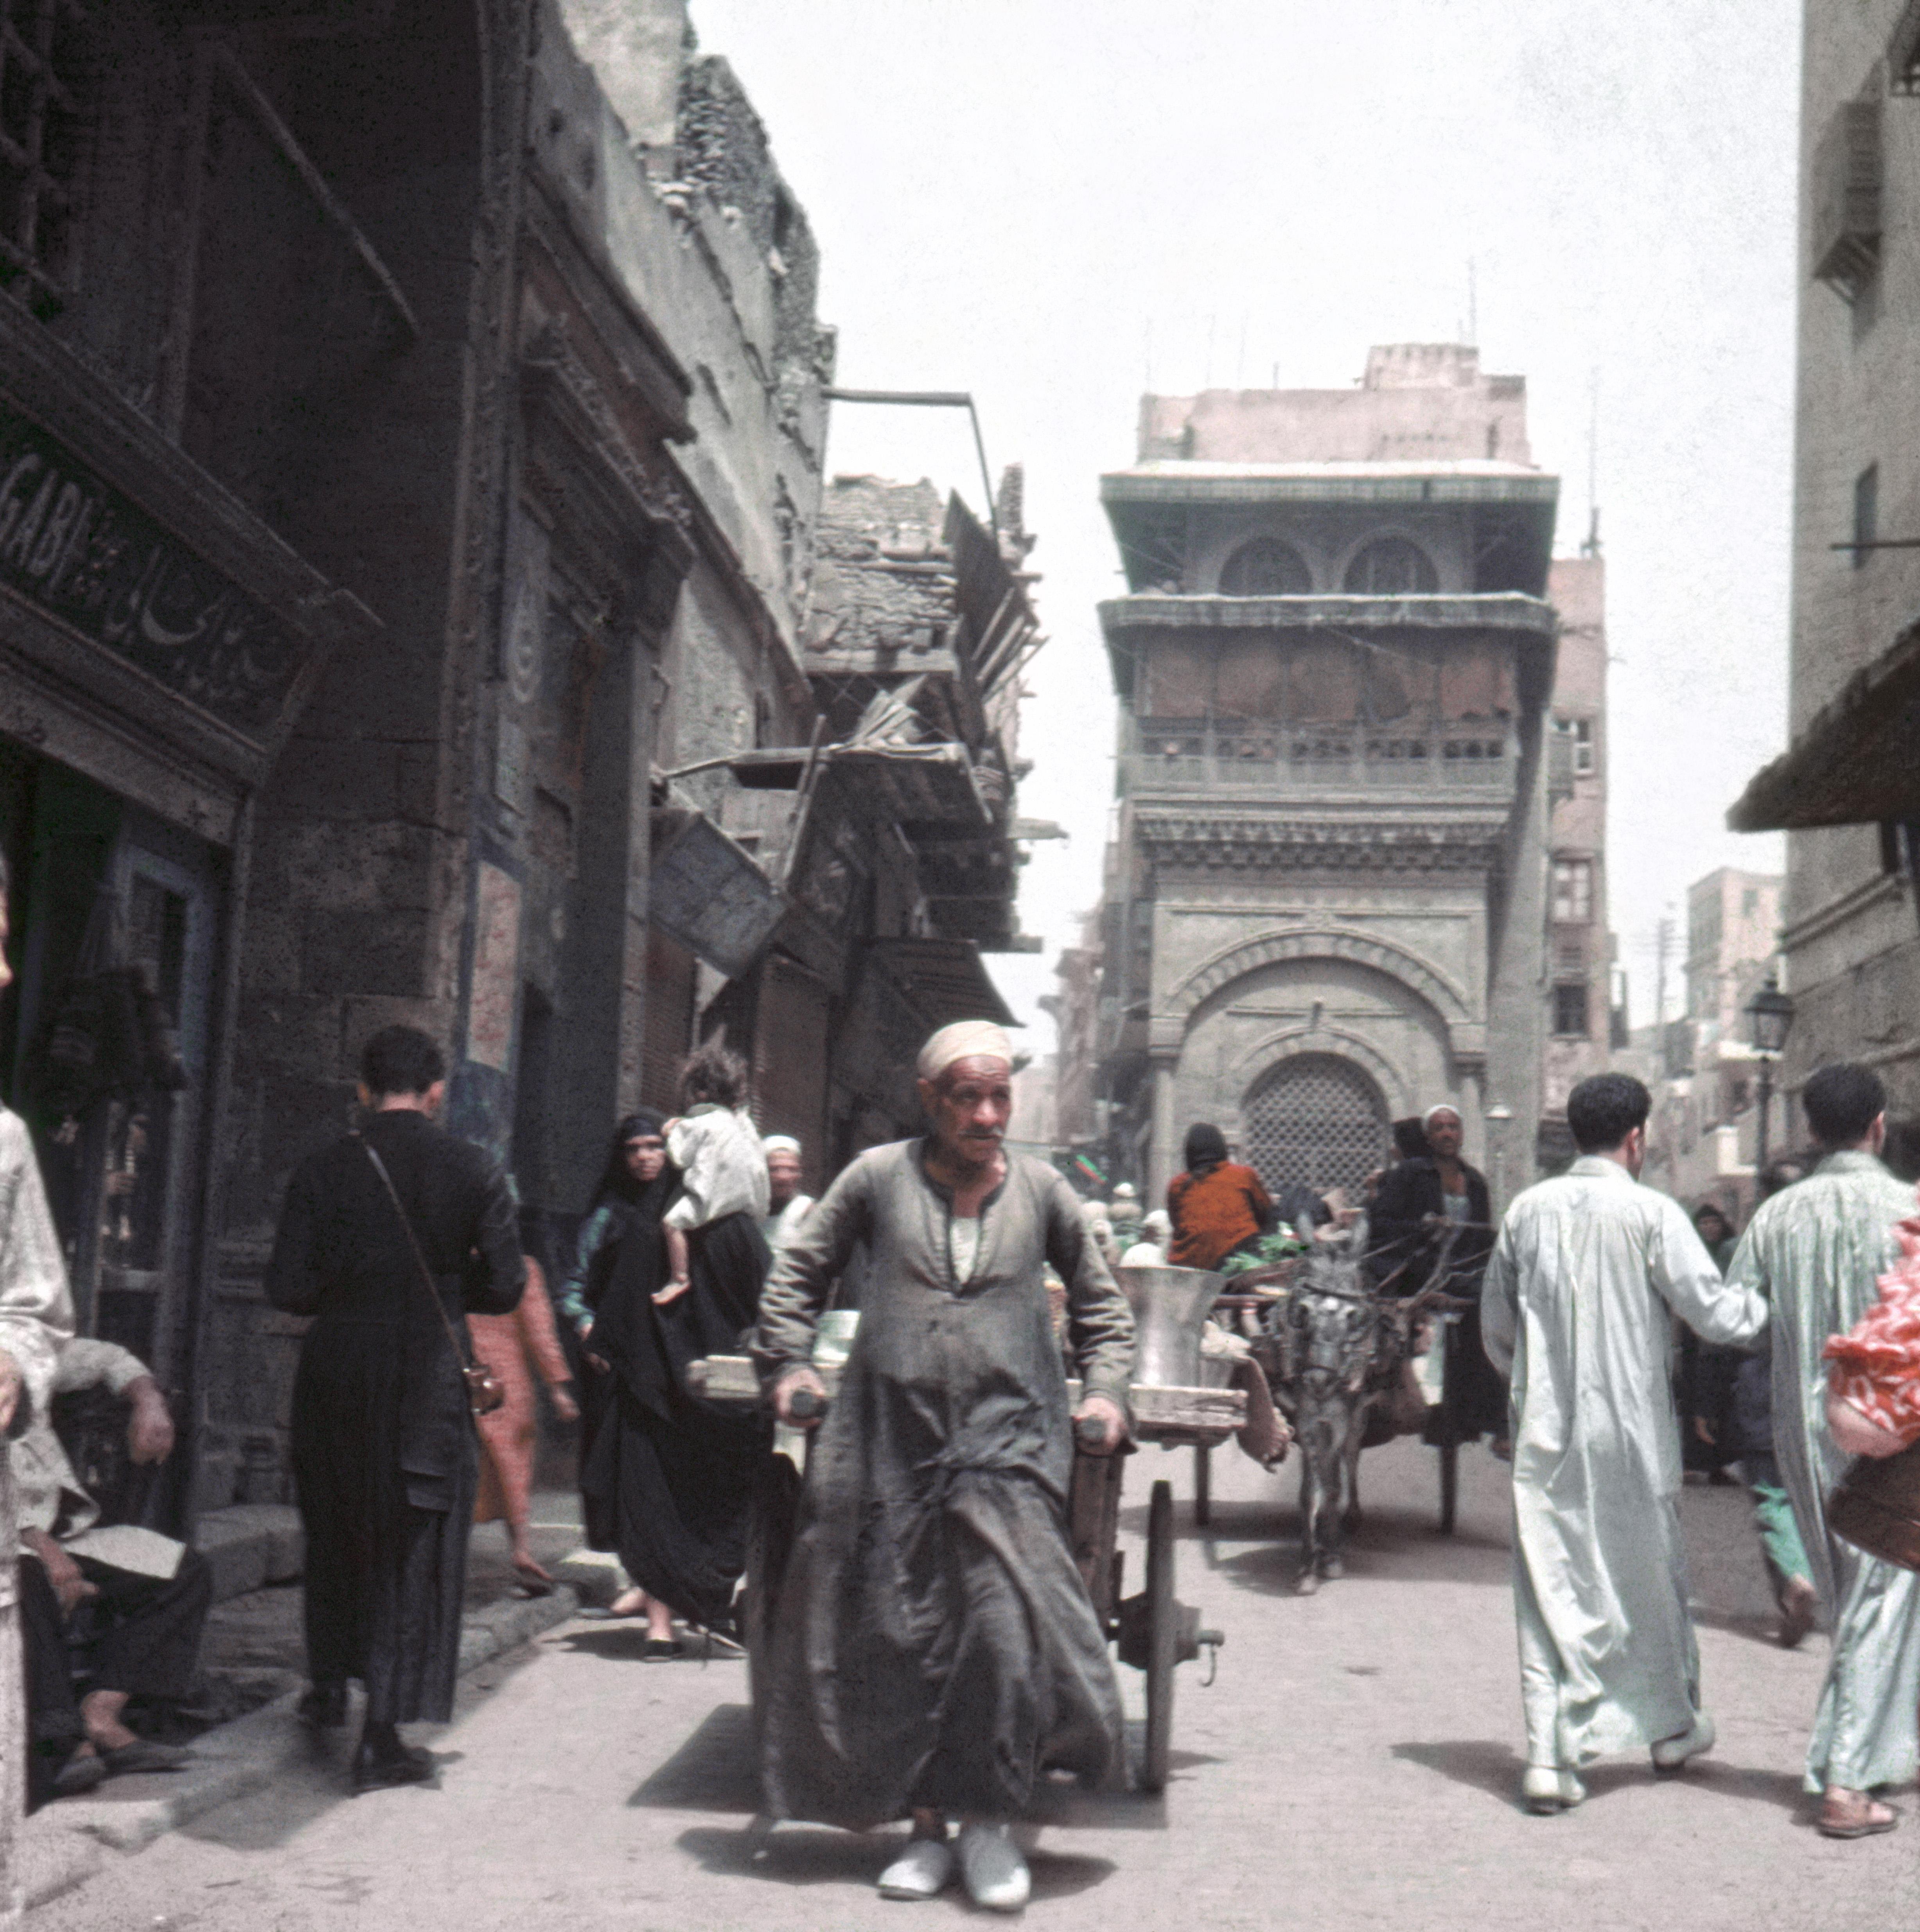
[1185, 756]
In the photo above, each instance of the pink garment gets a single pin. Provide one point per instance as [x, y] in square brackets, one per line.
[503, 1343]
[1876, 1365]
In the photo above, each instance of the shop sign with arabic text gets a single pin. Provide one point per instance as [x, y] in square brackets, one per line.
[76, 548]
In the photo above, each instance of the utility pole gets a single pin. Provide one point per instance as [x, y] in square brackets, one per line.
[1663, 944]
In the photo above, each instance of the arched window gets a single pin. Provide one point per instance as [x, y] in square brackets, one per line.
[1392, 567]
[1266, 568]
[1316, 1119]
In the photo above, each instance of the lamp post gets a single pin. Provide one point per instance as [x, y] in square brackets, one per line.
[1769, 1019]
[1496, 1117]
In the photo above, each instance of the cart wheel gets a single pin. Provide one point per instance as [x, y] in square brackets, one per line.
[1203, 1485]
[771, 1514]
[1450, 1481]
[1162, 1638]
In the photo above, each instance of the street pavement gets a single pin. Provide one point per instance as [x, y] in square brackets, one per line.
[1354, 1765]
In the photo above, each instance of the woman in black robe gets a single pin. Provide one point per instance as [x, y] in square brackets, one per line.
[668, 1476]
[636, 1184]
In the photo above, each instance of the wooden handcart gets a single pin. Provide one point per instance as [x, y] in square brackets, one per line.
[1153, 1631]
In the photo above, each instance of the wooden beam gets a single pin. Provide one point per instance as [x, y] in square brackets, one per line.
[1159, 1414]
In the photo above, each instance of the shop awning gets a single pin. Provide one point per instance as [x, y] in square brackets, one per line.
[1857, 763]
[705, 891]
[945, 980]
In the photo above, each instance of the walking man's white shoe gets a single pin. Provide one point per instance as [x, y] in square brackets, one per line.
[996, 1875]
[923, 1871]
[1546, 1790]
[1672, 1753]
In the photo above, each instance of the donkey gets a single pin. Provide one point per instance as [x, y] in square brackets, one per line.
[1331, 1346]
[1336, 1348]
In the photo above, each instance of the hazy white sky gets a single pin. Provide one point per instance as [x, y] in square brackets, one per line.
[1054, 205]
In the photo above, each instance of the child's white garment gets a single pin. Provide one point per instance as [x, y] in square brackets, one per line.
[723, 1168]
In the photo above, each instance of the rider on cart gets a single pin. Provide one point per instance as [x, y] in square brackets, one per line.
[935, 1651]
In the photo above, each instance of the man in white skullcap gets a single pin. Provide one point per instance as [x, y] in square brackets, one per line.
[787, 1207]
[936, 1652]
[1416, 1201]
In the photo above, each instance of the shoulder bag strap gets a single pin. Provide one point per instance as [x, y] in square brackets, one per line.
[413, 1242]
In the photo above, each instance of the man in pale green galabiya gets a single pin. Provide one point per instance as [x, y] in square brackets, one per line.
[1576, 1310]
[1818, 1251]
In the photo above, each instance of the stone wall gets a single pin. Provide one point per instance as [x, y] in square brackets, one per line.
[1853, 955]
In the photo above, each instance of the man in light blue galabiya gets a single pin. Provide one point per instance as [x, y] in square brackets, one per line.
[1575, 1309]
[1818, 1249]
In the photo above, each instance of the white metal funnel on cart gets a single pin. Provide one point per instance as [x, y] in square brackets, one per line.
[1170, 1308]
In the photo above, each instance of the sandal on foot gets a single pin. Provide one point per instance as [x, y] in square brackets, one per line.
[532, 1580]
[1855, 1814]
[142, 1755]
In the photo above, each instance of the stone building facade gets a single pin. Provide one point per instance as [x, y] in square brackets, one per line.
[1703, 1138]
[414, 414]
[1329, 902]
[1847, 791]
[1579, 938]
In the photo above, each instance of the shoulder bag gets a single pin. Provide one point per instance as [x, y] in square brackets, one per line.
[1876, 1507]
[484, 1392]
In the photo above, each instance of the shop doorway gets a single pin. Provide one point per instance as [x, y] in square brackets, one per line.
[105, 1043]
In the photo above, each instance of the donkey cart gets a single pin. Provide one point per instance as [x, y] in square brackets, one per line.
[1153, 1631]
[1335, 1347]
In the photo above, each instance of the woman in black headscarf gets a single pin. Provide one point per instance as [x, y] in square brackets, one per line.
[666, 1476]
[636, 1184]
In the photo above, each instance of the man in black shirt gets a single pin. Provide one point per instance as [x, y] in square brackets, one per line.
[384, 1452]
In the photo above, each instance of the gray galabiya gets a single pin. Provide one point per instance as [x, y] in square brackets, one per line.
[934, 1646]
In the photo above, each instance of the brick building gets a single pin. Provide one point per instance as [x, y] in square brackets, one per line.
[1360, 862]
[414, 413]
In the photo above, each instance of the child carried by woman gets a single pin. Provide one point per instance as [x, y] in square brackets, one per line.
[716, 1147]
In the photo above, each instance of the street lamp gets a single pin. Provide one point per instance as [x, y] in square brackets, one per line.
[1769, 1019]
[1496, 1117]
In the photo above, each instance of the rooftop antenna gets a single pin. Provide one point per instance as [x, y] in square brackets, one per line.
[1207, 382]
[1473, 301]
[932, 399]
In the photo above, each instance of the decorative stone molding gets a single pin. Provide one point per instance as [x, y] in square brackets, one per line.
[1388, 956]
[1216, 841]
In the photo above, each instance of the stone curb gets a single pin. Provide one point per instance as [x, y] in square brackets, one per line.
[65, 1845]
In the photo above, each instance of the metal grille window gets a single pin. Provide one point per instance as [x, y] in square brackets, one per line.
[1316, 1119]
[1266, 568]
[42, 64]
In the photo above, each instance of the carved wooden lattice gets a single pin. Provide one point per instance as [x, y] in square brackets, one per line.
[42, 68]
[1316, 1119]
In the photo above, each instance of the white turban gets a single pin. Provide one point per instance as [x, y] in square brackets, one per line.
[1440, 1107]
[779, 1144]
[965, 1040]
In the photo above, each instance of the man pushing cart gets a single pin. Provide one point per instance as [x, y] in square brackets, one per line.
[936, 1651]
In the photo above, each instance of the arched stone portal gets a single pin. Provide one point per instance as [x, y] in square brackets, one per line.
[1316, 1118]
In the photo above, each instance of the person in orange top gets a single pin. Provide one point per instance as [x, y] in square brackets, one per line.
[503, 1343]
[1217, 1204]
